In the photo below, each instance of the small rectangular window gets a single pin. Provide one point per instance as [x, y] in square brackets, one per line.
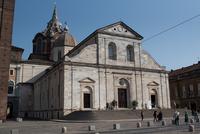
[11, 72]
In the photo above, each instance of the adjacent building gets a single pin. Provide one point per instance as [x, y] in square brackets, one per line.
[185, 87]
[6, 23]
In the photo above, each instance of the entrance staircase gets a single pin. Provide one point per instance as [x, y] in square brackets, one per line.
[119, 114]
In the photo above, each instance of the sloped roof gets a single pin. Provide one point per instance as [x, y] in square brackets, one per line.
[124, 25]
[185, 69]
[101, 30]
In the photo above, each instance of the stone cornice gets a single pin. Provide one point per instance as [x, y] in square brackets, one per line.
[114, 67]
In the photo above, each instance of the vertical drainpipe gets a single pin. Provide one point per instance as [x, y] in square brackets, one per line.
[71, 86]
[135, 73]
[105, 70]
[161, 88]
[97, 42]
[141, 75]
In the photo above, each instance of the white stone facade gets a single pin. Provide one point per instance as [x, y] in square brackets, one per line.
[88, 79]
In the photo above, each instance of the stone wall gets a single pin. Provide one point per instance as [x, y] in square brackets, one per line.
[6, 23]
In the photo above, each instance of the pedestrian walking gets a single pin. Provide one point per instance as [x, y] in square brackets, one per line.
[142, 115]
[186, 117]
[174, 118]
[155, 116]
[160, 116]
[196, 118]
[177, 118]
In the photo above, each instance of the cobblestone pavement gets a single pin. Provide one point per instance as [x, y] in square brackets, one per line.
[104, 127]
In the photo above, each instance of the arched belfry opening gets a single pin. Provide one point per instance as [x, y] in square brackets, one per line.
[123, 93]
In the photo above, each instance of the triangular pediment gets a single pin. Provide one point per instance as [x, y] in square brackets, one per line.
[153, 83]
[87, 80]
[120, 28]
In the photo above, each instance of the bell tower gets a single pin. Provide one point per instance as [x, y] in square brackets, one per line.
[6, 24]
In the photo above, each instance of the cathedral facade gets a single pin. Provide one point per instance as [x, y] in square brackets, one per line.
[108, 66]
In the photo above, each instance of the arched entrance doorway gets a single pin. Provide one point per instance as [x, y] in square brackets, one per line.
[123, 93]
[153, 88]
[153, 98]
[10, 110]
[87, 97]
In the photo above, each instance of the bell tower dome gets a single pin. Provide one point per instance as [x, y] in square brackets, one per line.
[52, 36]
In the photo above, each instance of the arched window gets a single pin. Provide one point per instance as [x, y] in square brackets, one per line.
[130, 53]
[10, 87]
[59, 55]
[112, 51]
[39, 46]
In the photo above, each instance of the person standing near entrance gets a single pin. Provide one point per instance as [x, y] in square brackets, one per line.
[142, 115]
[155, 116]
[186, 117]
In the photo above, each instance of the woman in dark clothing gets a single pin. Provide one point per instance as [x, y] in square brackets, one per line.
[160, 116]
[155, 116]
[142, 115]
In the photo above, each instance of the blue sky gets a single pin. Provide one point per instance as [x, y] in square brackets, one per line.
[174, 49]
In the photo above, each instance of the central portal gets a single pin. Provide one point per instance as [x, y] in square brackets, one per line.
[153, 101]
[122, 98]
[87, 100]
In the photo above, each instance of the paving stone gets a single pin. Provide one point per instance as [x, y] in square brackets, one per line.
[14, 131]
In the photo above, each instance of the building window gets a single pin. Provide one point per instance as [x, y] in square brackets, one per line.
[198, 89]
[176, 91]
[184, 92]
[10, 87]
[191, 91]
[11, 72]
[130, 53]
[112, 51]
[39, 46]
[59, 55]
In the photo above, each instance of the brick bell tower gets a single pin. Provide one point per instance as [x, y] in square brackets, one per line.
[6, 24]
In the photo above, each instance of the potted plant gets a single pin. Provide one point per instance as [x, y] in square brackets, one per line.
[114, 103]
[134, 104]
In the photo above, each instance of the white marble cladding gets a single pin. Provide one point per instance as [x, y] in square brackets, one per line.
[105, 86]
[88, 79]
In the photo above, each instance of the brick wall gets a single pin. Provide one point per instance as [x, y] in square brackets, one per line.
[6, 23]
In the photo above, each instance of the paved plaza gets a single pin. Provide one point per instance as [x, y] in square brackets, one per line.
[104, 127]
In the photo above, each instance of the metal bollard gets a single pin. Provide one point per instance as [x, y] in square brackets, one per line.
[91, 128]
[116, 126]
[192, 121]
[19, 119]
[191, 128]
[173, 122]
[139, 125]
[14, 131]
[149, 123]
[163, 123]
[64, 130]
[1, 121]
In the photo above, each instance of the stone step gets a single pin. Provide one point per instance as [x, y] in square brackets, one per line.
[119, 114]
